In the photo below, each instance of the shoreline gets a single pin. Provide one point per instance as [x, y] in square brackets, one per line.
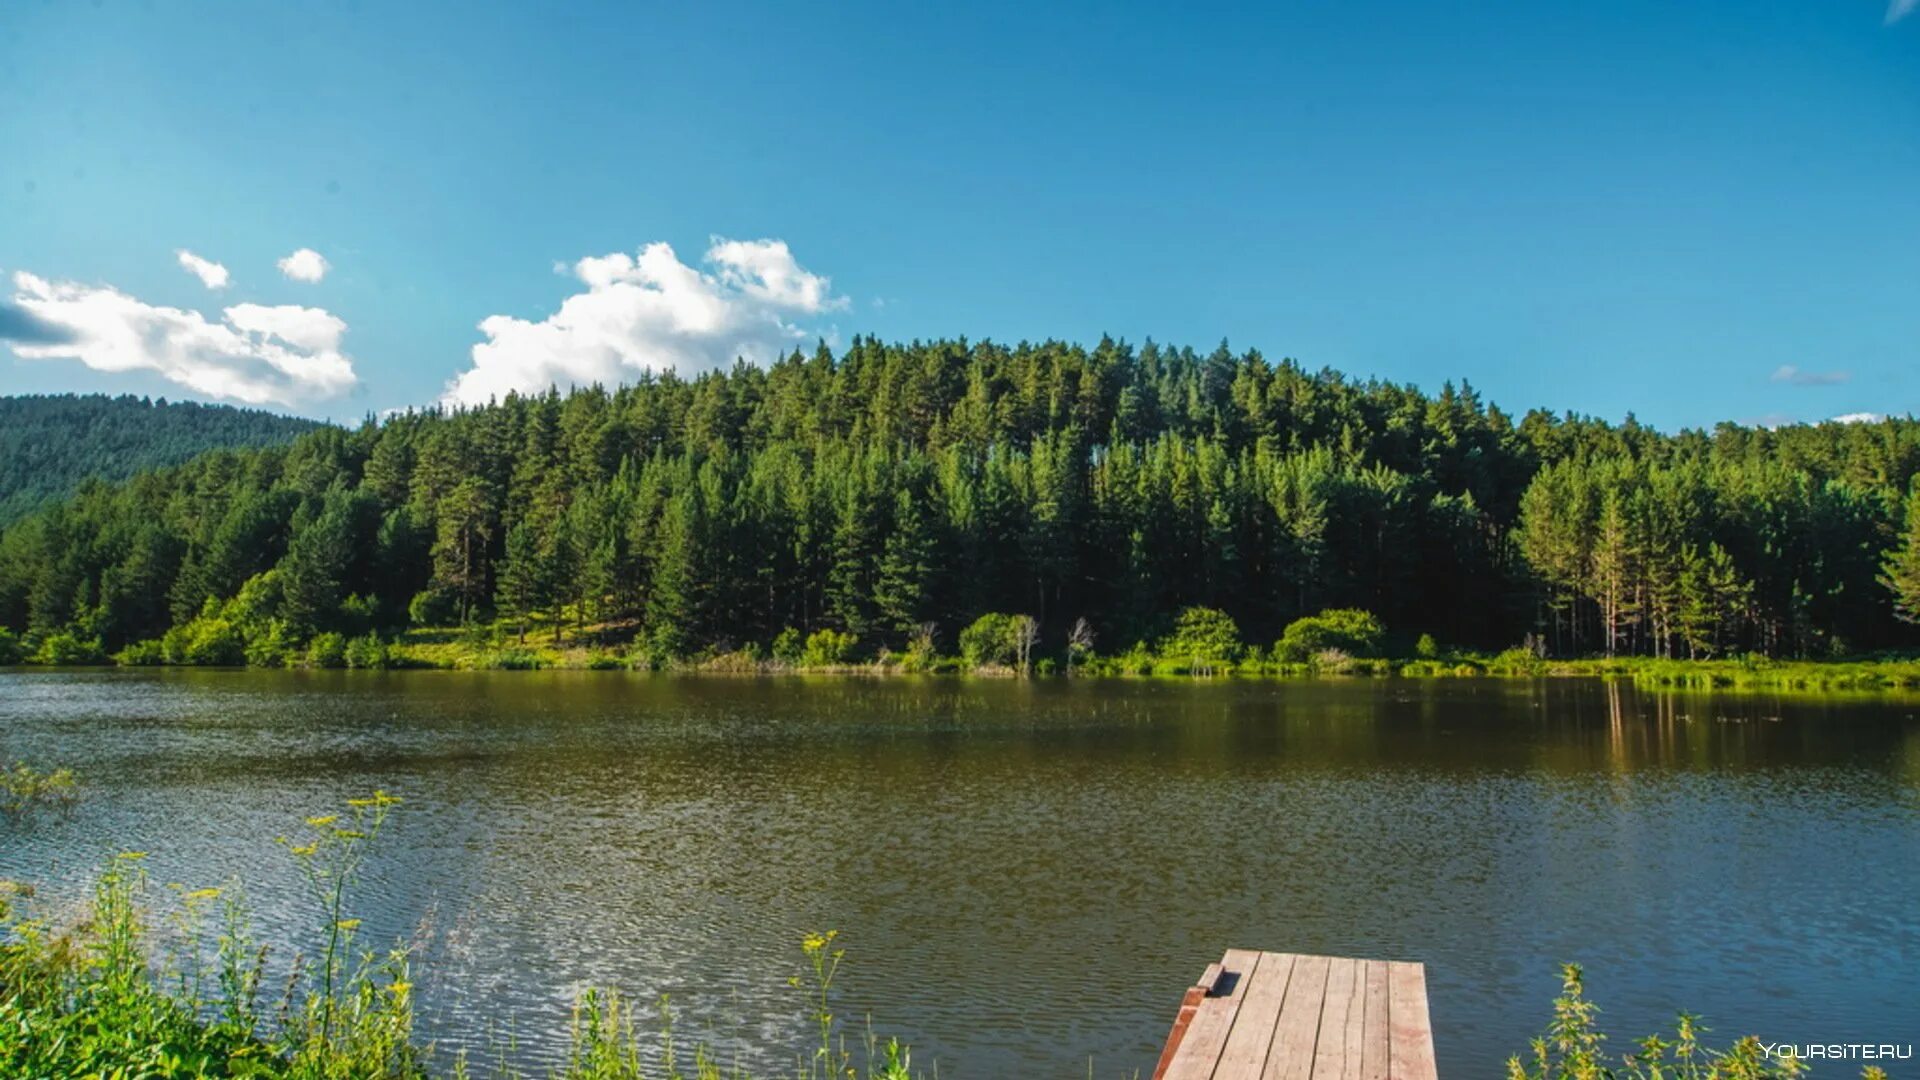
[1865, 676]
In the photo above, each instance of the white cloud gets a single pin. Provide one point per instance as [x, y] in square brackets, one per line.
[1859, 418]
[210, 273]
[1787, 373]
[1900, 9]
[651, 313]
[305, 265]
[257, 355]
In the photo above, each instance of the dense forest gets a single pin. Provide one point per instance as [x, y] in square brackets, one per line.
[49, 443]
[899, 490]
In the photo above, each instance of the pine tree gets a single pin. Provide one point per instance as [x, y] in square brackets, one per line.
[460, 556]
[1900, 572]
[1731, 594]
[525, 588]
[561, 563]
[314, 571]
[850, 576]
[676, 603]
[1698, 615]
[904, 581]
[1614, 566]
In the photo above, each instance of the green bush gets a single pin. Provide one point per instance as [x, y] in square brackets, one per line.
[67, 648]
[1350, 630]
[789, 648]
[920, 656]
[214, 643]
[328, 650]
[359, 613]
[512, 660]
[1574, 1048]
[1516, 661]
[1204, 641]
[149, 653]
[257, 602]
[432, 607]
[366, 653]
[1426, 648]
[270, 647]
[828, 648]
[988, 642]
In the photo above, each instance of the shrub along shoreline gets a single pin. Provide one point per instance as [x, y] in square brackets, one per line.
[1202, 643]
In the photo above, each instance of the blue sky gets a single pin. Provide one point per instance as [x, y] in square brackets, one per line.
[1690, 210]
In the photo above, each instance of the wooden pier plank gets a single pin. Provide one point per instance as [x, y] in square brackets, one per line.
[1412, 1051]
[1376, 1043]
[1337, 1055]
[1206, 1036]
[1299, 1024]
[1286, 1016]
[1246, 1050]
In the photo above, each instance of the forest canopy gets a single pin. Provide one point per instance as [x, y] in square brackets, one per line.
[899, 490]
[49, 443]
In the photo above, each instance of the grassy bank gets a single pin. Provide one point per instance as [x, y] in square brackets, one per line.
[1199, 643]
[489, 649]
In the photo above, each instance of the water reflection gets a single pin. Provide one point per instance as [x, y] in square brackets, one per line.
[1029, 873]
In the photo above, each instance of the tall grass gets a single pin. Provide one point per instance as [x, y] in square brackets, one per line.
[104, 997]
[24, 788]
[1574, 1048]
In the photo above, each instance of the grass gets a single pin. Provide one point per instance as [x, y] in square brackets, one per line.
[498, 646]
[102, 997]
[24, 788]
[1574, 1048]
[484, 650]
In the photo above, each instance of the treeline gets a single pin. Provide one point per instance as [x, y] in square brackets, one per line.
[49, 443]
[900, 490]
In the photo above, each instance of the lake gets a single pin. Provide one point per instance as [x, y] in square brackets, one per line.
[1027, 875]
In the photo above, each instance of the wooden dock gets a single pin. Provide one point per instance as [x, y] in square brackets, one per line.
[1284, 1016]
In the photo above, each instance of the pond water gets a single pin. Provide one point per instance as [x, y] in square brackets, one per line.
[1027, 875]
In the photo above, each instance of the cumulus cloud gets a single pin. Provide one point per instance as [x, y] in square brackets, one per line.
[1859, 418]
[210, 273]
[256, 354]
[1787, 373]
[19, 326]
[651, 313]
[1900, 9]
[305, 265]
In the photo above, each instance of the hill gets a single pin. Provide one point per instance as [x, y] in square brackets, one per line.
[900, 486]
[50, 443]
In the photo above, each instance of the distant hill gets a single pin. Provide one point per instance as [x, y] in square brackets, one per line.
[49, 443]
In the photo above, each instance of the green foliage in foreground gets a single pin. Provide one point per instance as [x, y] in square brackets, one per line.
[24, 788]
[1574, 1048]
[106, 998]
